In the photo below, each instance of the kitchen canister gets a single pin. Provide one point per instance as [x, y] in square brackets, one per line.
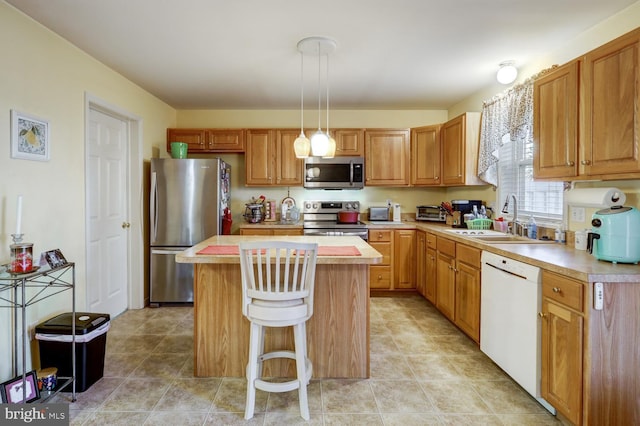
[21, 258]
[47, 378]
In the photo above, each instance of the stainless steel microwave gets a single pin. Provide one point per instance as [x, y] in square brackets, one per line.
[334, 173]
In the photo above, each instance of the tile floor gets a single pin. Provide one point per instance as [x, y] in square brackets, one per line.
[424, 371]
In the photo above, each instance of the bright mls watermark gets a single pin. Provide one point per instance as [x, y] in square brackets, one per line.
[34, 414]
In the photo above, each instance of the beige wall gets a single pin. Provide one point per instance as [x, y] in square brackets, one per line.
[43, 75]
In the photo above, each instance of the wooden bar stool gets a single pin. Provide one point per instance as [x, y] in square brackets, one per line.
[277, 291]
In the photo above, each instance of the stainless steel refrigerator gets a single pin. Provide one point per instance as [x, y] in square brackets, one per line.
[188, 202]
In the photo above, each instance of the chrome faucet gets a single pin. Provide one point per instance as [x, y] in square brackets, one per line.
[505, 209]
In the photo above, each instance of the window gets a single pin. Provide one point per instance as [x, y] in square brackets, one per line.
[541, 199]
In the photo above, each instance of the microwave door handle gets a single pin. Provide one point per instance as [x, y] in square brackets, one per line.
[351, 172]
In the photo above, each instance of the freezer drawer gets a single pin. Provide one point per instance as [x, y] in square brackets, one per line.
[170, 282]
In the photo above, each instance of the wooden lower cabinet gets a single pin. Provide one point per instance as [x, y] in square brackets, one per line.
[457, 284]
[467, 314]
[398, 268]
[591, 357]
[421, 263]
[271, 231]
[446, 277]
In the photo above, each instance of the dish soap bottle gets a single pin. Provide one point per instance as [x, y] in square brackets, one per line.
[533, 228]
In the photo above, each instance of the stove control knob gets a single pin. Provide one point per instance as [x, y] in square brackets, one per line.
[307, 206]
[347, 206]
[356, 205]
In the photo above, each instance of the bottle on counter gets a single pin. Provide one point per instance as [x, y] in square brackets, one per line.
[533, 229]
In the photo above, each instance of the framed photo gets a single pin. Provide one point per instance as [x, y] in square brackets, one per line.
[29, 137]
[16, 391]
[55, 258]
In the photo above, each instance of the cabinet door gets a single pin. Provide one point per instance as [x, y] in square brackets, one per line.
[289, 169]
[196, 139]
[421, 262]
[612, 95]
[404, 258]
[555, 123]
[562, 353]
[460, 138]
[349, 142]
[431, 275]
[387, 157]
[226, 140]
[244, 231]
[452, 151]
[259, 158]
[445, 285]
[293, 231]
[467, 313]
[425, 156]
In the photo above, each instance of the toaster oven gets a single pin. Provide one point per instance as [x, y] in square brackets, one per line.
[431, 213]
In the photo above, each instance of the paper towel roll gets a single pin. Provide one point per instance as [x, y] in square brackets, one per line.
[595, 197]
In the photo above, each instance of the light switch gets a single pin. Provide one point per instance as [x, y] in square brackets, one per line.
[577, 214]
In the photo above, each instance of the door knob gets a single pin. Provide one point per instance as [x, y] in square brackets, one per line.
[126, 225]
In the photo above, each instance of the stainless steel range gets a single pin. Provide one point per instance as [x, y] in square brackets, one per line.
[321, 218]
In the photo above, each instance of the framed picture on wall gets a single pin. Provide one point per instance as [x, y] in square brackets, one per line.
[29, 137]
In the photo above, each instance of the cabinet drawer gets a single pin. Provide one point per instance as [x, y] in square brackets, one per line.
[468, 255]
[380, 277]
[446, 246]
[564, 290]
[385, 251]
[379, 235]
[432, 241]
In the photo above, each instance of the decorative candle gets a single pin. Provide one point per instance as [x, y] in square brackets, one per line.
[19, 216]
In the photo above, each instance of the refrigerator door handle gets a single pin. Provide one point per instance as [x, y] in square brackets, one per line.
[154, 206]
[155, 251]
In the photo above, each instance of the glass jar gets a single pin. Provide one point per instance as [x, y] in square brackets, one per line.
[21, 258]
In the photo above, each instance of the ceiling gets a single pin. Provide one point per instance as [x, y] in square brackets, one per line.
[241, 54]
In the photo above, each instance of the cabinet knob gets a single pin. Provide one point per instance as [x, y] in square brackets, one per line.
[436, 177]
[126, 225]
[585, 162]
[571, 163]
[542, 315]
[557, 290]
[379, 277]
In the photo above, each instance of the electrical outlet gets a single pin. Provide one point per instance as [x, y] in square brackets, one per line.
[577, 214]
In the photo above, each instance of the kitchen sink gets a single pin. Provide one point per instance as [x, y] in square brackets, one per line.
[495, 237]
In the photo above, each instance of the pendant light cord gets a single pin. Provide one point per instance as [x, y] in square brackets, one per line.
[319, 106]
[301, 93]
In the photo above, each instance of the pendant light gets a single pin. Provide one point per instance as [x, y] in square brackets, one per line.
[319, 46]
[301, 145]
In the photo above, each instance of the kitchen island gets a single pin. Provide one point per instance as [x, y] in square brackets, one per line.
[337, 333]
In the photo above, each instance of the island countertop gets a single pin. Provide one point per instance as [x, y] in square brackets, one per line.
[368, 255]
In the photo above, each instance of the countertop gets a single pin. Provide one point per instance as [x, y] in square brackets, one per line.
[368, 254]
[551, 256]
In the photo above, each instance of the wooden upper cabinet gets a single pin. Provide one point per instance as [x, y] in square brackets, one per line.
[611, 87]
[387, 156]
[270, 159]
[289, 168]
[460, 140]
[349, 142]
[196, 139]
[425, 156]
[259, 157]
[208, 140]
[555, 118]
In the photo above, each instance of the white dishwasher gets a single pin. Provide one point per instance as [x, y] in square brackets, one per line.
[510, 329]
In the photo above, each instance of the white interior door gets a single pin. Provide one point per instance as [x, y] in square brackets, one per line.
[107, 213]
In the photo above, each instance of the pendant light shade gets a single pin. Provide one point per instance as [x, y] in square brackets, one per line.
[321, 145]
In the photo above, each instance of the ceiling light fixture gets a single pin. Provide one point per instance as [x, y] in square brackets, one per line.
[320, 141]
[507, 72]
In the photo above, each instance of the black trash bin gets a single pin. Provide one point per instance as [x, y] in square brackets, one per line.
[54, 339]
